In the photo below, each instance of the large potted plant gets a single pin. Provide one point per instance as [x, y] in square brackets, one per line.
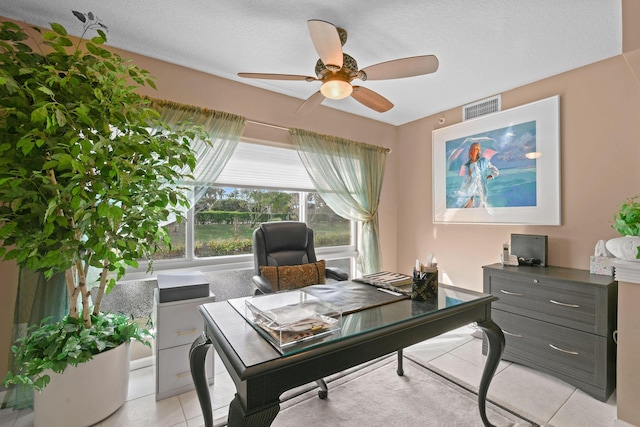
[626, 222]
[88, 172]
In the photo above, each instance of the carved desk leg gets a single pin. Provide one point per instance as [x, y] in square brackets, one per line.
[197, 356]
[496, 347]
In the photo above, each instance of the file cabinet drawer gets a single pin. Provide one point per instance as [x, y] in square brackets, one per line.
[174, 374]
[560, 350]
[178, 322]
[572, 305]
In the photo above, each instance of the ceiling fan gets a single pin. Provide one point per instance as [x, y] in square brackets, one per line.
[336, 70]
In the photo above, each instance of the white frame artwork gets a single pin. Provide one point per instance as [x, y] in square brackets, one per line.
[523, 145]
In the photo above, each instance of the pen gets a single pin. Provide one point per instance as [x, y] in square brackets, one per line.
[390, 292]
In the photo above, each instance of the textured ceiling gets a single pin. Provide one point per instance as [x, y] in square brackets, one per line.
[484, 47]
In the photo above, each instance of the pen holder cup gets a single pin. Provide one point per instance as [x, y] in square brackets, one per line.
[425, 287]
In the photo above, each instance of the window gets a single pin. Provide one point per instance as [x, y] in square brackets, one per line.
[260, 183]
[225, 217]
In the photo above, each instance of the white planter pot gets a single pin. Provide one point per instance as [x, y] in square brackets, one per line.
[85, 394]
[625, 247]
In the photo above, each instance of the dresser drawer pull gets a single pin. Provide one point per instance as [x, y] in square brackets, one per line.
[511, 334]
[183, 374]
[564, 304]
[511, 293]
[188, 332]
[575, 353]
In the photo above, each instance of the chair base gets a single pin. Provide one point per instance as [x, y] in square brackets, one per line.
[323, 393]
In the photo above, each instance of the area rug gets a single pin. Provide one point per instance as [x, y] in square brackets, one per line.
[374, 395]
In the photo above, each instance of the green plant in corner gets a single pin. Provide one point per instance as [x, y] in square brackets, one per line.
[88, 172]
[627, 220]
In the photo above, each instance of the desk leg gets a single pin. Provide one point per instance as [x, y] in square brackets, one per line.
[496, 347]
[239, 418]
[400, 370]
[197, 356]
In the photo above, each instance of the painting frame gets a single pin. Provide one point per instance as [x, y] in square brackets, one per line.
[525, 142]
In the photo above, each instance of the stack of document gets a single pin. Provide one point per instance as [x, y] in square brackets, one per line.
[396, 282]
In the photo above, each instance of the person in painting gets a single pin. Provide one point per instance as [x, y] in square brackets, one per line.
[478, 170]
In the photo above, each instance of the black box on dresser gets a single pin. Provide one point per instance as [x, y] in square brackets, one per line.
[559, 321]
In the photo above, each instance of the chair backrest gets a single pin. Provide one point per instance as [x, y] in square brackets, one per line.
[282, 243]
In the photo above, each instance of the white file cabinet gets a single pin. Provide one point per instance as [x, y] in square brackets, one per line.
[177, 325]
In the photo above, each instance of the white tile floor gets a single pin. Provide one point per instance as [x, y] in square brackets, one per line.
[540, 397]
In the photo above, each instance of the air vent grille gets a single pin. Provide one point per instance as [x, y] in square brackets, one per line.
[481, 108]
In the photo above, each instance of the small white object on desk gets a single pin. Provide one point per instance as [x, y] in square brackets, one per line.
[390, 292]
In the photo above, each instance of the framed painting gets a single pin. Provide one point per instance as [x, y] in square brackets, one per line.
[502, 168]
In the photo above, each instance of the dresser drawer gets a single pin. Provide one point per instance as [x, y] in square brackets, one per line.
[574, 305]
[173, 372]
[561, 351]
[178, 322]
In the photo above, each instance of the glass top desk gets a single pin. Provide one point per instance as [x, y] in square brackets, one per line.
[261, 372]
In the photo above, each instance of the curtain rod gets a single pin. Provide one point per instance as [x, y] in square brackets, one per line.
[255, 122]
[267, 125]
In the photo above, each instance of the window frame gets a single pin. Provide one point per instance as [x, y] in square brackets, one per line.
[245, 261]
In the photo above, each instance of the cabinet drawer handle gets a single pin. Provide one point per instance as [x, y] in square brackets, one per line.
[575, 353]
[511, 293]
[511, 334]
[183, 374]
[564, 304]
[188, 332]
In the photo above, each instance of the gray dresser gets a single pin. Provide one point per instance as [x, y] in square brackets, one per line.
[559, 321]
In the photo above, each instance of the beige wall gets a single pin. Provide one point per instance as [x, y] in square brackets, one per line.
[600, 167]
[628, 375]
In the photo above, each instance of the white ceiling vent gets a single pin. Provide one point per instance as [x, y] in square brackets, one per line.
[481, 108]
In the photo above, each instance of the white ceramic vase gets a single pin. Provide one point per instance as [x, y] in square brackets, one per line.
[85, 394]
[624, 247]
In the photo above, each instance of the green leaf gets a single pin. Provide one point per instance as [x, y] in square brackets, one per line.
[39, 115]
[58, 29]
[48, 35]
[46, 91]
[93, 49]
[15, 204]
[65, 41]
[26, 146]
[61, 118]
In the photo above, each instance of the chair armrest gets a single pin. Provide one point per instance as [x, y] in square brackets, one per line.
[261, 285]
[336, 273]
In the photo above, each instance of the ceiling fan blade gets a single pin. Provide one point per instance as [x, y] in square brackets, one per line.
[311, 103]
[268, 76]
[371, 99]
[405, 67]
[326, 40]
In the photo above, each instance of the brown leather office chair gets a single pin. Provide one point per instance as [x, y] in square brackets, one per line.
[288, 243]
[285, 243]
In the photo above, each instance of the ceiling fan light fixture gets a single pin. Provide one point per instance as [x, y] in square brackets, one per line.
[336, 89]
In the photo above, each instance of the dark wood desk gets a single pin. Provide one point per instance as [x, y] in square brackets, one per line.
[261, 373]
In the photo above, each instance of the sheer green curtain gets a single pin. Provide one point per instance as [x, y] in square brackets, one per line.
[224, 131]
[37, 299]
[348, 175]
